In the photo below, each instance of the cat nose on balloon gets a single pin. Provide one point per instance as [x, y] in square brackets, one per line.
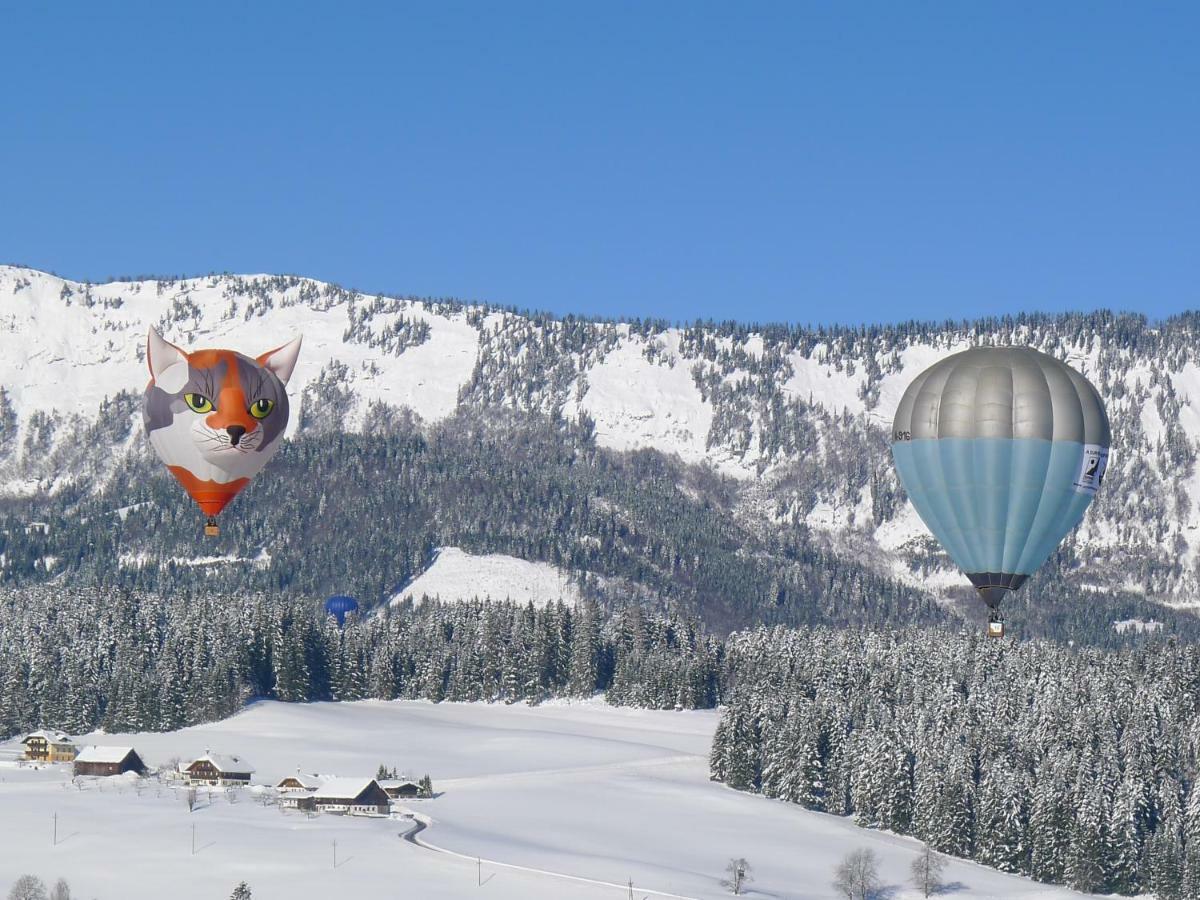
[235, 433]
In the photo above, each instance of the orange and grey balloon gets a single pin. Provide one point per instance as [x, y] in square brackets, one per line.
[216, 417]
[1001, 450]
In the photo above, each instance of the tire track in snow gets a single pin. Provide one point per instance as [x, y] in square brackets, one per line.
[422, 822]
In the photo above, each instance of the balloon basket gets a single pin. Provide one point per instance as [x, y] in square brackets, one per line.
[995, 626]
[211, 529]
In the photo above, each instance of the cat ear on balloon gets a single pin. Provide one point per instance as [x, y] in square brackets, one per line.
[282, 360]
[169, 364]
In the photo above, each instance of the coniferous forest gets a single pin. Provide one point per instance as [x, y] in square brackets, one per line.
[1071, 766]
[130, 662]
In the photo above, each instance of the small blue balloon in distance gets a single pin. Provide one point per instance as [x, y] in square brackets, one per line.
[339, 606]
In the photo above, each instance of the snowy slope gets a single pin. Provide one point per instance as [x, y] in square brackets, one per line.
[637, 402]
[585, 790]
[456, 575]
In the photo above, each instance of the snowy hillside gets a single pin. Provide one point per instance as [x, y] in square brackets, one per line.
[797, 418]
[456, 576]
[557, 801]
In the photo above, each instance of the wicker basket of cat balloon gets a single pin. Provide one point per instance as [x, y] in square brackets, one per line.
[216, 417]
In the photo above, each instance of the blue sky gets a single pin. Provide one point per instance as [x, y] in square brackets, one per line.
[785, 162]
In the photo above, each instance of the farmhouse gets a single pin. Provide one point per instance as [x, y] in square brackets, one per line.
[49, 745]
[298, 782]
[108, 761]
[356, 796]
[217, 769]
[398, 788]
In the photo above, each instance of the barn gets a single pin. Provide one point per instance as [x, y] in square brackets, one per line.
[356, 796]
[97, 760]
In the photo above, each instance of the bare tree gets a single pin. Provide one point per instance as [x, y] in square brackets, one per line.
[927, 872]
[737, 875]
[61, 890]
[857, 876]
[28, 887]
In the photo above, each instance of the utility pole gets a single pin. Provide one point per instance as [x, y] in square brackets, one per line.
[55, 844]
[478, 872]
[193, 839]
[335, 854]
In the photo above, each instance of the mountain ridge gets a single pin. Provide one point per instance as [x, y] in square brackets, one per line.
[795, 419]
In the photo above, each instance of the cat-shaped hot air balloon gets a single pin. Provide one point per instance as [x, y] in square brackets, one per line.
[215, 417]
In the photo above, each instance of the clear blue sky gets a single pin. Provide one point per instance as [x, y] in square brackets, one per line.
[796, 161]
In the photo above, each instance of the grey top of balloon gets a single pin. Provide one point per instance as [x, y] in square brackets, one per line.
[1002, 392]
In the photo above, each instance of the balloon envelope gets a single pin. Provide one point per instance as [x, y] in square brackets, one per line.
[338, 607]
[215, 417]
[1001, 450]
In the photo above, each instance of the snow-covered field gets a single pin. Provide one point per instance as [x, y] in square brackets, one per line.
[582, 789]
[457, 575]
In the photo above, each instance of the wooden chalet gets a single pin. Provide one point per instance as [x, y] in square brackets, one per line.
[400, 788]
[298, 782]
[217, 769]
[49, 745]
[108, 761]
[353, 796]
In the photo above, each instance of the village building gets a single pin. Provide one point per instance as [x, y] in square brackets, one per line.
[400, 788]
[353, 796]
[108, 761]
[218, 770]
[298, 782]
[49, 745]
[297, 799]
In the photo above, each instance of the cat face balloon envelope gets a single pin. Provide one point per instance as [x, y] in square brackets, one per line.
[215, 417]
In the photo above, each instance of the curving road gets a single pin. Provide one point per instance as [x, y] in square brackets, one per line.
[421, 822]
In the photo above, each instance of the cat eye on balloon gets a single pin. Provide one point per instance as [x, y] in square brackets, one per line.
[260, 409]
[198, 403]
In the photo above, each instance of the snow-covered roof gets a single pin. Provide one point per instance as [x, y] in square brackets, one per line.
[97, 754]
[223, 762]
[51, 735]
[339, 788]
[398, 782]
[305, 781]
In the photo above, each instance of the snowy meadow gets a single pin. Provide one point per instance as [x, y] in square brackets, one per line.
[553, 801]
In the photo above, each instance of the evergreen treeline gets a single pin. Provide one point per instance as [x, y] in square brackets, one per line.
[1071, 766]
[130, 662]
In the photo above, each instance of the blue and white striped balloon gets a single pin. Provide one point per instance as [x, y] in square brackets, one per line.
[1000, 449]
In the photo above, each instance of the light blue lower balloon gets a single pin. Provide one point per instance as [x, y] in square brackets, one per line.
[996, 504]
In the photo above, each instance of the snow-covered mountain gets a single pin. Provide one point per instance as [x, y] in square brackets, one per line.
[796, 418]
